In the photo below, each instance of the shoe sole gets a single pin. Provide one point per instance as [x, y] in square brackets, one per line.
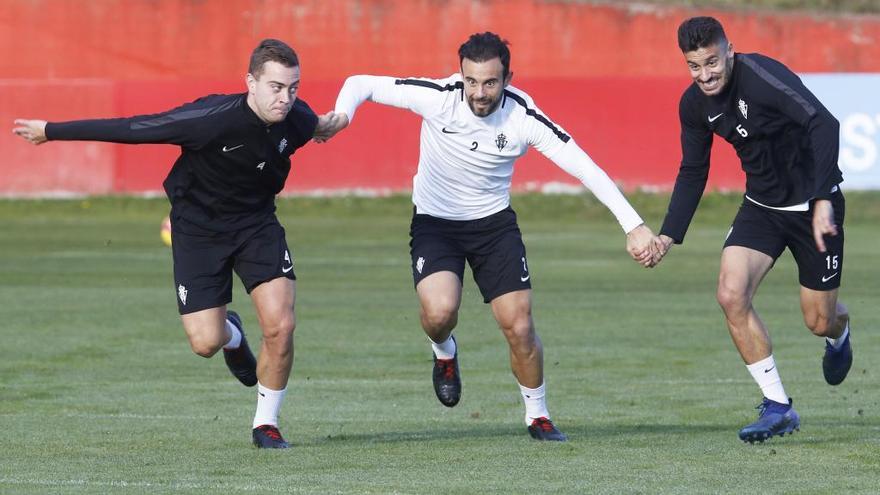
[834, 381]
[542, 439]
[276, 447]
[452, 402]
[760, 437]
[837, 377]
[840, 376]
[270, 443]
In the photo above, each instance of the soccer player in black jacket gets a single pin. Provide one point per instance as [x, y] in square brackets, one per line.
[788, 144]
[235, 157]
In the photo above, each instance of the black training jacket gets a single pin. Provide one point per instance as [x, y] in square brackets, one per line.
[231, 165]
[786, 139]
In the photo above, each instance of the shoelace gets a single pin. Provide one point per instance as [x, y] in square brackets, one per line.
[448, 366]
[763, 407]
[543, 423]
[271, 432]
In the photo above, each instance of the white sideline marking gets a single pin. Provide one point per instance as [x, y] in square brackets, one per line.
[103, 254]
[176, 485]
[116, 416]
[133, 416]
[150, 256]
[697, 382]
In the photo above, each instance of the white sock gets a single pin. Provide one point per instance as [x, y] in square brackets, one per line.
[445, 350]
[536, 404]
[767, 377]
[268, 404]
[235, 340]
[836, 343]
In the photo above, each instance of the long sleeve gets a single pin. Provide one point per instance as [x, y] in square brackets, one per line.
[189, 126]
[696, 148]
[824, 132]
[418, 95]
[571, 158]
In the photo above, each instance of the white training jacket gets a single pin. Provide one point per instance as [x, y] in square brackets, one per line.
[465, 161]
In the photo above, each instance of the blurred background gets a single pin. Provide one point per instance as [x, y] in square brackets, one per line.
[610, 73]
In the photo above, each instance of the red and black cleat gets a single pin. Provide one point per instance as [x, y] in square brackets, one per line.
[543, 429]
[268, 437]
[447, 380]
[241, 361]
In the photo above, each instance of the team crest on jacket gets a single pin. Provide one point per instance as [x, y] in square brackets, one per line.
[743, 108]
[283, 144]
[501, 141]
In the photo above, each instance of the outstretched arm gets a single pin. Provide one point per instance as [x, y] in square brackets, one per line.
[417, 95]
[33, 131]
[639, 238]
[190, 125]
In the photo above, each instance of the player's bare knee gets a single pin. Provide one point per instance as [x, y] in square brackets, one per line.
[731, 300]
[820, 324]
[439, 319]
[520, 334]
[205, 347]
[280, 330]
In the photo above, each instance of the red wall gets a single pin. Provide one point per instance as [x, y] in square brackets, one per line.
[610, 75]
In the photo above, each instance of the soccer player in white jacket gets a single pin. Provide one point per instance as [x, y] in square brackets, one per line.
[475, 125]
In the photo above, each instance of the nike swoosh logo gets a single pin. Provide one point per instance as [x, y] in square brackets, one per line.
[825, 279]
[226, 150]
[445, 131]
[523, 279]
[713, 119]
[769, 369]
[285, 270]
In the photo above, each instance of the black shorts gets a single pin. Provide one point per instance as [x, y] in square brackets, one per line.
[204, 261]
[492, 246]
[771, 231]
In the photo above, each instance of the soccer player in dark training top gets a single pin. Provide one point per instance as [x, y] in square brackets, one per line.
[235, 157]
[788, 143]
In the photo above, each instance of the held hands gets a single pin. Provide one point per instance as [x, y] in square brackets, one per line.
[33, 131]
[328, 125]
[640, 245]
[662, 244]
[646, 248]
[823, 222]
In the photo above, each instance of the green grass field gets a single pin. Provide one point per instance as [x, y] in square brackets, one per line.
[99, 392]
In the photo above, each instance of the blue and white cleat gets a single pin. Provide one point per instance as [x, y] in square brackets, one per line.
[774, 419]
[837, 362]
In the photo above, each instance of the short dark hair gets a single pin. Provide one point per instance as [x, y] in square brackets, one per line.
[271, 50]
[481, 47]
[700, 32]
